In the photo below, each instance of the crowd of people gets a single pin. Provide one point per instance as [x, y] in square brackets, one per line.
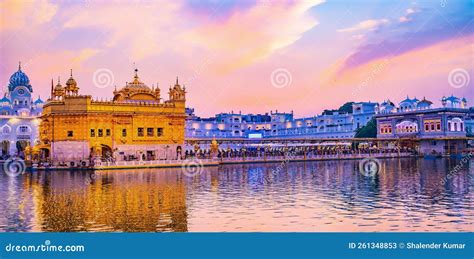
[255, 152]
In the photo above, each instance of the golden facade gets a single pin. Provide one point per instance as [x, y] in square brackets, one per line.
[135, 125]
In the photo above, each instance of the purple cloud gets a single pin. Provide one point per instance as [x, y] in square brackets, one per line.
[426, 27]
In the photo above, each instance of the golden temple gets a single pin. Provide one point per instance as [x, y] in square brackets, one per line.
[135, 125]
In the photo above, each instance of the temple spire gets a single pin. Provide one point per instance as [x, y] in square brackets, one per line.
[136, 71]
[19, 65]
[136, 79]
[71, 72]
[177, 80]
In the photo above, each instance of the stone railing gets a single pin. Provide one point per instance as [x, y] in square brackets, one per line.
[314, 157]
[183, 162]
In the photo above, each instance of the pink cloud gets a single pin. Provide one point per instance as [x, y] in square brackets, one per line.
[20, 15]
[365, 25]
[395, 77]
[254, 34]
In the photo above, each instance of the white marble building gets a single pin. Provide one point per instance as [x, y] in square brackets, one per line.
[19, 116]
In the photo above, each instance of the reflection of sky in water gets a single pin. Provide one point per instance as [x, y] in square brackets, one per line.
[407, 195]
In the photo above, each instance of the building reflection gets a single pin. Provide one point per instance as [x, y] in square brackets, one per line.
[408, 194]
[17, 207]
[131, 201]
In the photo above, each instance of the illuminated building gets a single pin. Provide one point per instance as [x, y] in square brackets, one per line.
[135, 125]
[333, 124]
[18, 116]
[442, 127]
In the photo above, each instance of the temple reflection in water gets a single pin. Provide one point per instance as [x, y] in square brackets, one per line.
[129, 201]
[407, 195]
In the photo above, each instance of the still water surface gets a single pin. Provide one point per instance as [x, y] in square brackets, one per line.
[408, 195]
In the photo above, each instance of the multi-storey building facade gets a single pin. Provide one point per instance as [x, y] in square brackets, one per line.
[469, 123]
[280, 124]
[414, 119]
[19, 116]
[135, 124]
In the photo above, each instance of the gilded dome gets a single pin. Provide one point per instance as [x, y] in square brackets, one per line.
[137, 84]
[71, 87]
[58, 87]
[71, 82]
[136, 91]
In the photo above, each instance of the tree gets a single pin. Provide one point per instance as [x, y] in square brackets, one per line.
[368, 131]
[345, 108]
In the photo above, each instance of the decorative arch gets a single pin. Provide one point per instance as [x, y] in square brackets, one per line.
[455, 124]
[407, 126]
[23, 129]
[5, 147]
[106, 151]
[179, 152]
[24, 112]
[21, 145]
[143, 96]
[6, 129]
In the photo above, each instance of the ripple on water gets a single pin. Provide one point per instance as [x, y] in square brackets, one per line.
[313, 196]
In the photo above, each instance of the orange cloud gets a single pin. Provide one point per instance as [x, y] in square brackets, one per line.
[17, 15]
[47, 65]
[142, 28]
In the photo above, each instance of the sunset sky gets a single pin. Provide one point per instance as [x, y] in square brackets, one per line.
[249, 56]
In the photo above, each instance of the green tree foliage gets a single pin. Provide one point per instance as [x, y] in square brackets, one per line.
[368, 131]
[345, 108]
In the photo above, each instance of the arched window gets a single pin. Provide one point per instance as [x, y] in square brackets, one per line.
[6, 130]
[23, 130]
[456, 125]
[407, 127]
